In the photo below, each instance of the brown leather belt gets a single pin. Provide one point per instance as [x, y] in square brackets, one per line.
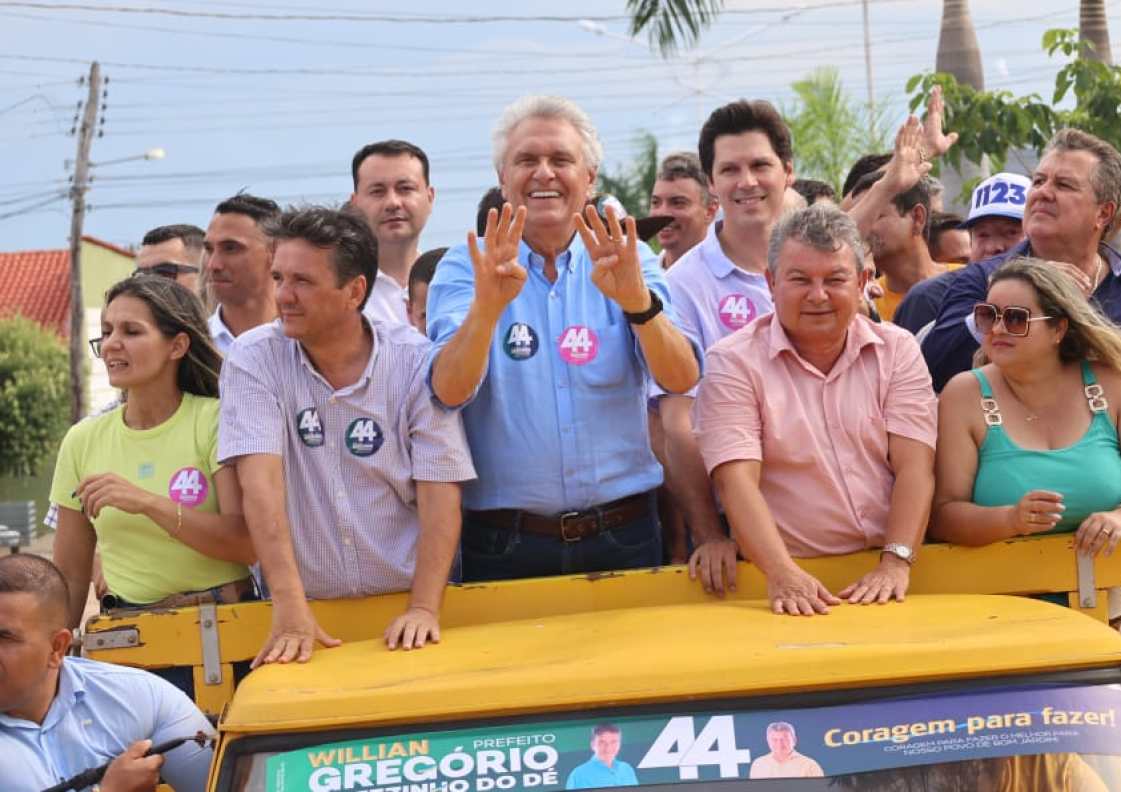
[570, 526]
[226, 594]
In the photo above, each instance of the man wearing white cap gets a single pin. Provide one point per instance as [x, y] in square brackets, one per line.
[995, 224]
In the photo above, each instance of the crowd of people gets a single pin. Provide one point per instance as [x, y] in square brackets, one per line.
[311, 407]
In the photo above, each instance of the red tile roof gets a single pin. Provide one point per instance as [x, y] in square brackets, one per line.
[36, 284]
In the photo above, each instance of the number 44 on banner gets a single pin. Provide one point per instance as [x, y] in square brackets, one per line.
[680, 746]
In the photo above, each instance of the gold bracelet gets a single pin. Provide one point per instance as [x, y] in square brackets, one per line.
[178, 520]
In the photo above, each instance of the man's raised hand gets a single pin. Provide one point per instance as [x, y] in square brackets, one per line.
[936, 141]
[617, 269]
[498, 275]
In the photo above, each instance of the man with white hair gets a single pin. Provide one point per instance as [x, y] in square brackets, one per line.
[549, 341]
[783, 761]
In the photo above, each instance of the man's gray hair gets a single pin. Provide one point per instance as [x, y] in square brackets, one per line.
[1106, 177]
[782, 726]
[546, 107]
[820, 226]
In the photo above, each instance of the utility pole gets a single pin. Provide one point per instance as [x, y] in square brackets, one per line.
[78, 189]
[868, 76]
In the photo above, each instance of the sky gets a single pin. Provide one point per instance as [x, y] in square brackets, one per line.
[254, 95]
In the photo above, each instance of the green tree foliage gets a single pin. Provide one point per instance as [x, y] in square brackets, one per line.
[830, 129]
[672, 22]
[633, 183]
[34, 397]
[994, 123]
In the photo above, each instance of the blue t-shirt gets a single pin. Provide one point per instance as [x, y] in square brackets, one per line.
[594, 773]
[98, 712]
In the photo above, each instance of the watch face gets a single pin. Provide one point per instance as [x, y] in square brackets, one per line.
[902, 551]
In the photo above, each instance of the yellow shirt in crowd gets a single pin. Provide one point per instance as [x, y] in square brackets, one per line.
[177, 460]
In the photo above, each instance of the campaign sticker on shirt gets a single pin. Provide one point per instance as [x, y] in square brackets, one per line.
[364, 437]
[579, 345]
[309, 427]
[188, 486]
[520, 342]
[736, 310]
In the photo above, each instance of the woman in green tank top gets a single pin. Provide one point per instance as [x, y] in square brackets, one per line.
[1027, 442]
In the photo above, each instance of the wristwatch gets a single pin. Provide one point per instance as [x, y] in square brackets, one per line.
[900, 551]
[644, 317]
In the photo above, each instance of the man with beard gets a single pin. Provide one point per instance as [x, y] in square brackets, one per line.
[392, 191]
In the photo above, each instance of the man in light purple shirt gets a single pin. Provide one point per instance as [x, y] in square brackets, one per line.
[746, 153]
[349, 469]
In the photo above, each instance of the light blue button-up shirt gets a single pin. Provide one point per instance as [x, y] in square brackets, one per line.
[559, 421]
[99, 711]
[594, 774]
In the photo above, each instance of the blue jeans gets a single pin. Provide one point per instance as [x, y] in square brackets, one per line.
[501, 553]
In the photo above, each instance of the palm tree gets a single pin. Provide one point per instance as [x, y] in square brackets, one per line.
[672, 22]
[958, 51]
[1093, 28]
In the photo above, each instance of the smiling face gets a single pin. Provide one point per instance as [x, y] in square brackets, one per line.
[238, 257]
[544, 170]
[1042, 340]
[606, 745]
[781, 742]
[816, 292]
[683, 200]
[133, 349]
[748, 179]
[394, 197]
[1062, 210]
[309, 299]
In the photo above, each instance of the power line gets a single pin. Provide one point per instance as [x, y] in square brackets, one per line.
[33, 207]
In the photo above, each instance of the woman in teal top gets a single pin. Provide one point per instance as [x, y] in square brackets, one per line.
[1028, 443]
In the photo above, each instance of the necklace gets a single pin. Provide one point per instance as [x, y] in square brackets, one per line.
[1030, 417]
[1097, 274]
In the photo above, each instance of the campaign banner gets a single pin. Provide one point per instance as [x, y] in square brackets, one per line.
[707, 746]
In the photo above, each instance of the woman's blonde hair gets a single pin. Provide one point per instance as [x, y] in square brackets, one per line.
[1089, 336]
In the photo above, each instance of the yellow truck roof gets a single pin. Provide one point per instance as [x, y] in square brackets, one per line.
[636, 655]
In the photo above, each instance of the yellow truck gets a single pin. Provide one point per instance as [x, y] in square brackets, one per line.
[639, 678]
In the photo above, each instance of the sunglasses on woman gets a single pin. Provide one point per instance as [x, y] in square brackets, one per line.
[1016, 319]
[165, 269]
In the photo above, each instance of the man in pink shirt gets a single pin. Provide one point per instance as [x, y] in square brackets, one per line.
[817, 425]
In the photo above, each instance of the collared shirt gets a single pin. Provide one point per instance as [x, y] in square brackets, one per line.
[594, 774]
[712, 296]
[220, 334]
[352, 456]
[386, 302]
[796, 766]
[98, 712]
[819, 434]
[558, 422]
[950, 345]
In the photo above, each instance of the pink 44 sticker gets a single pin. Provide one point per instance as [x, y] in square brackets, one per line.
[578, 345]
[188, 486]
[736, 310]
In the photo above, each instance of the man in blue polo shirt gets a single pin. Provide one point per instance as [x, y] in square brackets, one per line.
[1071, 207]
[60, 716]
[550, 340]
[604, 769]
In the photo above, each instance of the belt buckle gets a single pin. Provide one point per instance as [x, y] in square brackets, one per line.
[564, 526]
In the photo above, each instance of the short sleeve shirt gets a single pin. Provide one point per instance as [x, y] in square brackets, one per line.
[825, 434]
[352, 456]
[142, 563]
[98, 712]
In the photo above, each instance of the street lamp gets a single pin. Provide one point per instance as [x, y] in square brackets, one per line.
[151, 154]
